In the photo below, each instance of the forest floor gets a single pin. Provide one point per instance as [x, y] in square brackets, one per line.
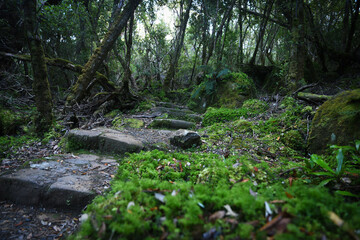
[257, 145]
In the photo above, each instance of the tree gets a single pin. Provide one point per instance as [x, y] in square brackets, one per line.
[179, 42]
[81, 88]
[41, 88]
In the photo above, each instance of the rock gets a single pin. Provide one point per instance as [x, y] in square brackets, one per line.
[337, 121]
[180, 114]
[66, 182]
[185, 139]
[25, 186]
[103, 140]
[171, 124]
[70, 191]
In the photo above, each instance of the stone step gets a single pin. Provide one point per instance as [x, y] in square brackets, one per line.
[180, 114]
[104, 140]
[171, 124]
[65, 182]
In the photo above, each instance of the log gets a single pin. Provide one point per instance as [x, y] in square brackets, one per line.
[311, 97]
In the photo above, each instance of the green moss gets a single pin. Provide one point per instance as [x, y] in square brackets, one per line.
[336, 122]
[9, 145]
[156, 192]
[120, 123]
[256, 105]
[294, 140]
[10, 121]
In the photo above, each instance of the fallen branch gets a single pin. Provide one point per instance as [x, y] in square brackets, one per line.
[311, 97]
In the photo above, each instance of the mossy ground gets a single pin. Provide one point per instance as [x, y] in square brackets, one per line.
[247, 170]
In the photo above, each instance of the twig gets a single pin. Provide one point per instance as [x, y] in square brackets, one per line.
[304, 87]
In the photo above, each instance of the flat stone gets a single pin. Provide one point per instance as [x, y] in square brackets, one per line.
[185, 139]
[83, 139]
[181, 114]
[25, 186]
[119, 143]
[70, 191]
[171, 124]
[105, 140]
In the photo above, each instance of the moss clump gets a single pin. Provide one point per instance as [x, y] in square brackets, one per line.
[120, 123]
[256, 105]
[222, 90]
[10, 122]
[336, 122]
[219, 115]
[294, 140]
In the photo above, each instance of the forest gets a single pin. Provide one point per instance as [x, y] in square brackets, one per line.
[179, 119]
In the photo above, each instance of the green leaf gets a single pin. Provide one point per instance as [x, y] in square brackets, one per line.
[346, 193]
[326, 181]
[340, 161]
[318, 160]
[323, 174]
[357, 145]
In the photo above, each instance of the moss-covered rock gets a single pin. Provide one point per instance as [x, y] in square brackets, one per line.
[228, 90]
[337, 121]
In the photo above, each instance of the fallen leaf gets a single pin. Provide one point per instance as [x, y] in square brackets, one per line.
[278, 224]
[289, 195]
[256, 169]
[268, 211]
[18, 224]
[102, 230]
[232, 180]
[108, 217]
[232, 221]
[278, 138]
[245, 180]
[56, 228]
[160, 197]
[130, 204]
[154, 208]
[335, 219]
[217, 215]
[291, 181]
[230, 212]
[277, 201]
[252, 193]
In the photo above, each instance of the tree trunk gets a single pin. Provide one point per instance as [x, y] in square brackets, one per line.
[263, 24]
[297, 52]
[80, 89]
[177, 51]
[41, 88]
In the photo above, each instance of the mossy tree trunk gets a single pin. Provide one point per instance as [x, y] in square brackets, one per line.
[41, 88]
[81, 87]
[179, 42]
[297, 52]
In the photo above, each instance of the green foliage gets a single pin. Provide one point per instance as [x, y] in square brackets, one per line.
[10, 121]
[344, 162]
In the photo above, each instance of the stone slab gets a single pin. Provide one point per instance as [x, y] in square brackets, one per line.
[171, 124]
[73, 191]
[25, 186]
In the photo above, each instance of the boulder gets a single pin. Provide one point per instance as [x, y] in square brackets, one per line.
[337, 121]
[185, 139]
[171, 124]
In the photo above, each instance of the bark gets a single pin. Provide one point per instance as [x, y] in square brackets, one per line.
[297, 52]
[263, 24]
[179, 43]
[218, 33]
[41, 88]
[80, 89]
